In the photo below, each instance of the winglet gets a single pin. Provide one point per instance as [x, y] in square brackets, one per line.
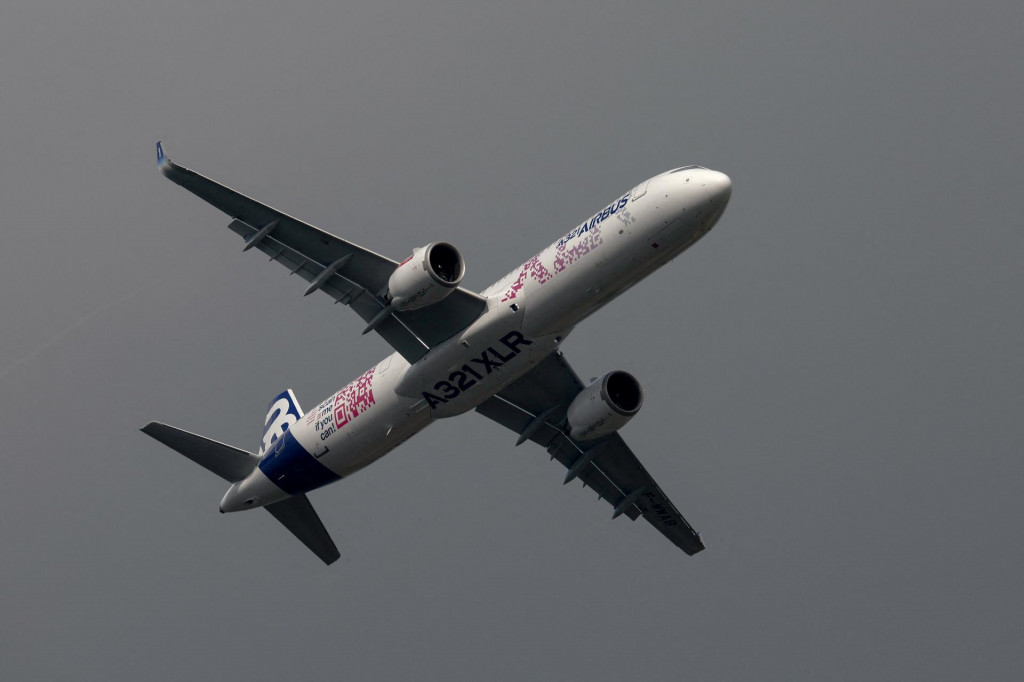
[161, 158]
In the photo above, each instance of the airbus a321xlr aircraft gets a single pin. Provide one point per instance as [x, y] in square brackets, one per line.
[496, 352]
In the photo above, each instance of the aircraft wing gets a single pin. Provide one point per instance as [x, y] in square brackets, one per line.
[348, 273]
[535, 406]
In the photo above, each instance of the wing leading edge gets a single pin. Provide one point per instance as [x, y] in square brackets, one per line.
[348, 273]
[535, 406]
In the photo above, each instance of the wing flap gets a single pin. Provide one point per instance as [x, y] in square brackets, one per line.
[374, 269]
[559, 446]
[343, 290]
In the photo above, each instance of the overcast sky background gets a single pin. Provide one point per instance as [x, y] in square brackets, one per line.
[833, 377]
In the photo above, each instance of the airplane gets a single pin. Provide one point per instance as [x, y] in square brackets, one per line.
[495, 352]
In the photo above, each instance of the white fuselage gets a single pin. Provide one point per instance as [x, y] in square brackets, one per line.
[529, 312]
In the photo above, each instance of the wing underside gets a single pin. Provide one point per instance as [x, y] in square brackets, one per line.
[348, 273]
[535, 407]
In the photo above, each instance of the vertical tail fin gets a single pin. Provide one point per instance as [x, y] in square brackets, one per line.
[282, 412]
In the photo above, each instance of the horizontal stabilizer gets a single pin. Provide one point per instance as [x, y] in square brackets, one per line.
[228, 462]
[298, 516]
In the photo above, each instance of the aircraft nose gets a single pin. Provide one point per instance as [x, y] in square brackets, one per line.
[717, 185]
[714, 190]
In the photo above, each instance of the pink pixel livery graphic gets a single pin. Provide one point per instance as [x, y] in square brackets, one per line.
[354, 399]
[532, 267]
[590, 238]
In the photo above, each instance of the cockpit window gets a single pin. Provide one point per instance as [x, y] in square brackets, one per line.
[686, 168]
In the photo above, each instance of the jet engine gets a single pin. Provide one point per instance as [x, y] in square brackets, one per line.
[604, 406]
[427, 276]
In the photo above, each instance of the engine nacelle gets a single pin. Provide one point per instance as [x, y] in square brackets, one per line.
[604, 406]
[427, 276]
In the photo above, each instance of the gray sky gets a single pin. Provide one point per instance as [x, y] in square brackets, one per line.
[833, 377]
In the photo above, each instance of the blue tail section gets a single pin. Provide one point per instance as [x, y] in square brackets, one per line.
[283, 411]
[282, 459]
[299, 517]
[292, 469]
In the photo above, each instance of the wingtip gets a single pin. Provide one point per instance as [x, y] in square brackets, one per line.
[162, 162]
